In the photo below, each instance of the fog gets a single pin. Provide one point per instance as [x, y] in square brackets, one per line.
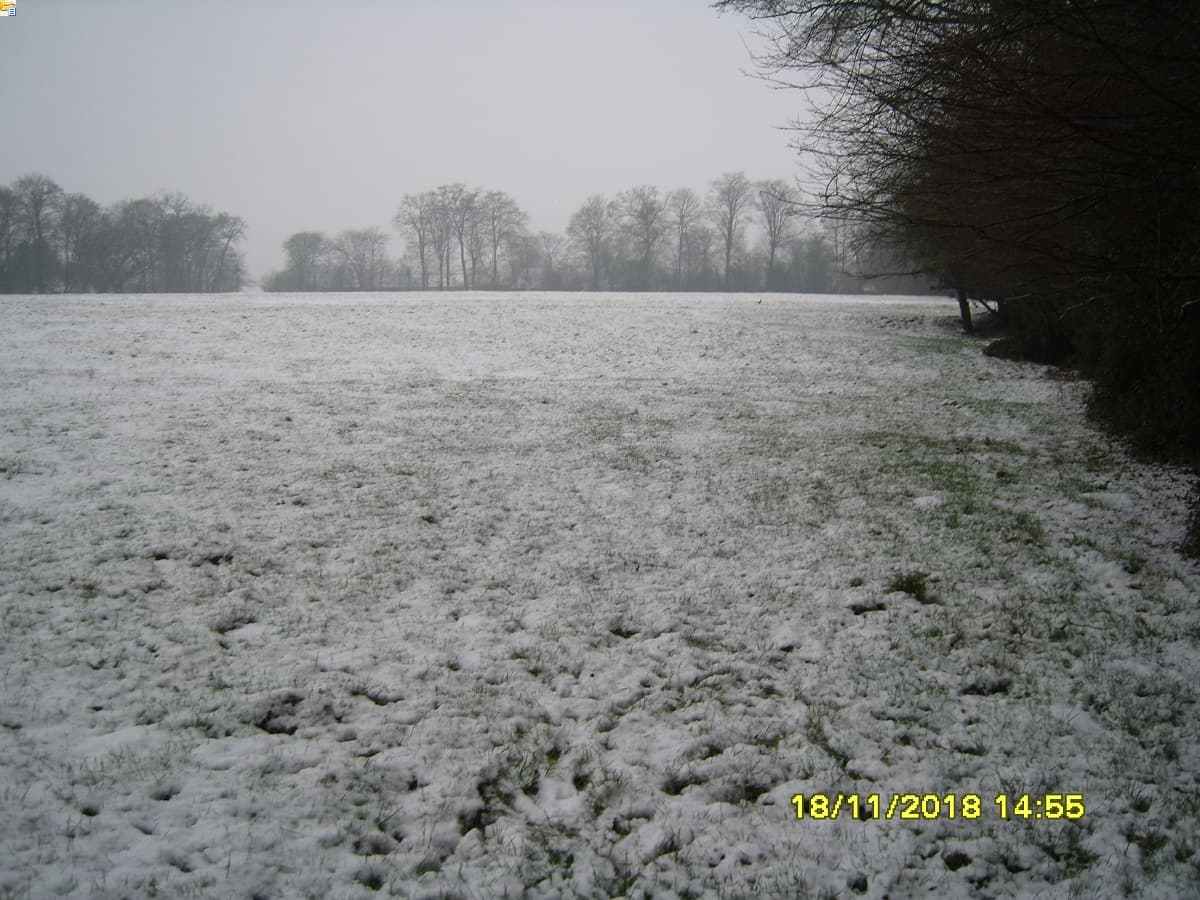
[303, 115]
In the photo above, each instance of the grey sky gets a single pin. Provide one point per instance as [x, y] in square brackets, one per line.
[303, 115]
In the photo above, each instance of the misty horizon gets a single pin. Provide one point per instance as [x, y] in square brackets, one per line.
[324, 121]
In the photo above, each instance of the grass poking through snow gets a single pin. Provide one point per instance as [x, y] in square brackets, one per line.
[571, 595]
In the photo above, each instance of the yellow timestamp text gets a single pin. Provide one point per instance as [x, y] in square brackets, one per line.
[938, 806]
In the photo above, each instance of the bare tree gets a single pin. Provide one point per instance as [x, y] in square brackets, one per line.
[140, 224]
[305, 252]
[416, 222]
[78, 216]
[729, 200]
[778, 207]
[9, 233]
[591, 229]
[195, 246]
[225, 272]
[477, 242]
[684, 213]
[172, 225]
[443, 232]
[51, 240]
[501, 218]
[642, 216]
[459, 206]
[37, 200]
[522, 252]
[551, 244]
[119, 255]
[1030, 149]
[362, 251]
[702, 247]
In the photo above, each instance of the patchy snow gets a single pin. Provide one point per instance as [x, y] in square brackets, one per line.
[467, 595]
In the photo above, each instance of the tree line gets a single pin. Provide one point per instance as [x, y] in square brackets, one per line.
[51, 240]
[740, 235]
[1038, 157]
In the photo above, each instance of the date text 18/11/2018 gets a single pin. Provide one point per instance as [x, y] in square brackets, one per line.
[937, 806]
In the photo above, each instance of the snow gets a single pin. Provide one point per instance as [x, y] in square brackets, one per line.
[467, 594]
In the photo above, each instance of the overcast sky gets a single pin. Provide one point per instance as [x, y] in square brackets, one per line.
[301, 115]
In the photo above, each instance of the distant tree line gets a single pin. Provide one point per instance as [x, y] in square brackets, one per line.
[54, 241]
[1040, 157]
[741, 235]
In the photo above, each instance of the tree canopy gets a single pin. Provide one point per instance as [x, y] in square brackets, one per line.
[54, 241]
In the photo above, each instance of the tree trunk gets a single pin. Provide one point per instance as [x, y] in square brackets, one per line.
[495, 255]
[964, 311]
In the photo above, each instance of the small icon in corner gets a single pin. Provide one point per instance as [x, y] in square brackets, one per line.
[8, 7]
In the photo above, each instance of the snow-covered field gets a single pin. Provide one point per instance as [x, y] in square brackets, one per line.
[485, 595]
